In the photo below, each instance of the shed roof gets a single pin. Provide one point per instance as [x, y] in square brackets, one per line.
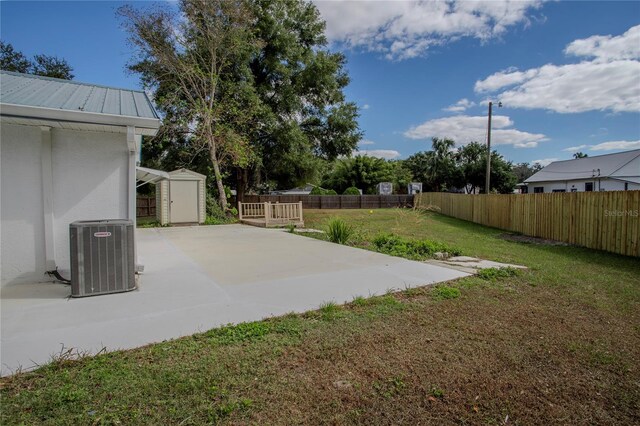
[45, 92]
[618, 165]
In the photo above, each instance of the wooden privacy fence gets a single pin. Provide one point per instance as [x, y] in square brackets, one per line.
[145, 206]
[600, 220]
[336, 201]
[269, 214]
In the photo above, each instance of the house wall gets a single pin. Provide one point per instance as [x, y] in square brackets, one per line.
[89, 181]
[604, 184]
[21, 205]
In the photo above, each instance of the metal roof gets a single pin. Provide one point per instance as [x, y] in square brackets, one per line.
[67, 95]
[618, 165]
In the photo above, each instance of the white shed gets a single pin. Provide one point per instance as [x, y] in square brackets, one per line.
[181, 198]
[68, 153]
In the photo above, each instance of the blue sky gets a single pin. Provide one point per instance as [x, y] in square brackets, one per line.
[568, 73]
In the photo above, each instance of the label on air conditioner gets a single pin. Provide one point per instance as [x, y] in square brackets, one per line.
[102, 234]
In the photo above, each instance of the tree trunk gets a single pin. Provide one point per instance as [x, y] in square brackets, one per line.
[242, 177]
[222, 196]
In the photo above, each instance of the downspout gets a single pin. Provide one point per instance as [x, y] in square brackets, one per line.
[132, 146]
[47, 198]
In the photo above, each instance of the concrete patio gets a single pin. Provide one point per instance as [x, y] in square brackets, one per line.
[197, 278]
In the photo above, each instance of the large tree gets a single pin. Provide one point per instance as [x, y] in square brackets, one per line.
[300, 83]
[196, 61]
[300, 119]
[436, 169]
[362, 171]
[44, 65]
[525, 170]
[471, 162]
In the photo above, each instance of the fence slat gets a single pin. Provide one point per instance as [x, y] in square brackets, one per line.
[607, 221]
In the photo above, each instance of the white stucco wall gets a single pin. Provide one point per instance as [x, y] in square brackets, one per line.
[90, 177]
[21, 217]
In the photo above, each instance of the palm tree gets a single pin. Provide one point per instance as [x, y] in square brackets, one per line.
[441, 162]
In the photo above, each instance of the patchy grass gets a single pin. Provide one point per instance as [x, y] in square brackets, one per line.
[556, 344]
[441, 292]
[493, 274]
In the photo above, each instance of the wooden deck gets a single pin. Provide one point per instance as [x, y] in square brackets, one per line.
[262, 223]
[269, 215]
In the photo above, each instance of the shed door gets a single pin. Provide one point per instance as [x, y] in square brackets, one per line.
[184, 201]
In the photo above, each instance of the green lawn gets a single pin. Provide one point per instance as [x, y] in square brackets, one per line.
[557, 344]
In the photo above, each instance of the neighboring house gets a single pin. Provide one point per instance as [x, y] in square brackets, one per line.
[610, 172]
[68, 152]
[301, 190]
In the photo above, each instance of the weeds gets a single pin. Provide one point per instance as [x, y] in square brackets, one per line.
[395, 245]
[339, 231]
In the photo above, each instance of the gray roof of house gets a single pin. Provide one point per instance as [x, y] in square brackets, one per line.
[45, 92]
[619, 165]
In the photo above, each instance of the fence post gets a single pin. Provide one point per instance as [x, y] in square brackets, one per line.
[267, 212]
[239, 210]
[300, 207]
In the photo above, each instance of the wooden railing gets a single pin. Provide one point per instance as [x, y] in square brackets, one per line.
[251, 210]
[272, 213]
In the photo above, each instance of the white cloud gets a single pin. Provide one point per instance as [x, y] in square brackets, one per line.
[460, 106]
[575, 148]
[464, 129]
[366, 142]
[365, 106]
[607, 48]
[545, 161]
[609, 82]
[616, 145]
[387, 154]
[403, 29]
[607, 146]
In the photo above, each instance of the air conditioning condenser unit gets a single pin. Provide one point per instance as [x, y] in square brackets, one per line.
[102, 257]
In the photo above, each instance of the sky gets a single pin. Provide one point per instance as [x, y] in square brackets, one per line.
[567, 73]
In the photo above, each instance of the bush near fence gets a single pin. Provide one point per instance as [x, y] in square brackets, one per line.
[336, 201]
[607, 220]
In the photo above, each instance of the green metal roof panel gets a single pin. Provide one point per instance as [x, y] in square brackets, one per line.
[46, 92]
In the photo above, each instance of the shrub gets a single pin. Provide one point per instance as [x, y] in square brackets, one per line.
[321, 191]
[317, 191]
[215, 214]
[395, 245]
[352, 190]
[338, 231]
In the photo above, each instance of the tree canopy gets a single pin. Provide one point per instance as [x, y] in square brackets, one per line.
[276, 113]
[44, 65]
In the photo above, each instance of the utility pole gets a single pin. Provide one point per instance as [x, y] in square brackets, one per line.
[488, 177]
